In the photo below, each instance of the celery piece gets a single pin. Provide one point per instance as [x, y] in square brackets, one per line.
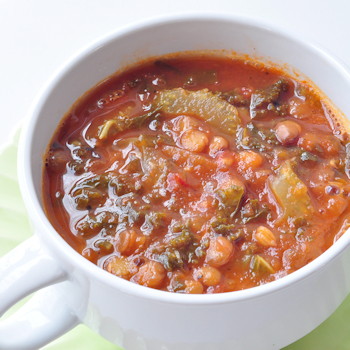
[203, 104]
[291, 195]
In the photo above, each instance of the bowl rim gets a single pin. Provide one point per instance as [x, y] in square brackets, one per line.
[61, 248]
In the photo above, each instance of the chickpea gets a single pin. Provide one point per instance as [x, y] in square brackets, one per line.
[229, 182]
[330, 145]
[288, 132]
[265, 237]
[224, 160]
[219, 252]
[193, 287]
[249, 159]
[209, 276]
[185, 123]
[151, 274]
[218, 143]
[299, 108]
[90, 254]
[336, 205]
[194, 140]
[119, 266]
[308, 142]
[57, 160]
[204, 204]
[129, 241]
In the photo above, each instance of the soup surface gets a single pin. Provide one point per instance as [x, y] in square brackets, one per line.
[199, 175]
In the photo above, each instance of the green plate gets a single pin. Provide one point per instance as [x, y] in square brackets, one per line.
[333, 334]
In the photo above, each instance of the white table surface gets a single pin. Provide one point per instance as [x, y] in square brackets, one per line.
[37, 36]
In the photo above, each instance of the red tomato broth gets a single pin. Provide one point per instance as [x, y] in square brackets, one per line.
[177, 201]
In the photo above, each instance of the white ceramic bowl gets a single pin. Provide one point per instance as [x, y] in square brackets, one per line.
[136, 317]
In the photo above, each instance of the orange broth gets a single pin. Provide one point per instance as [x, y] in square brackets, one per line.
[199, 175]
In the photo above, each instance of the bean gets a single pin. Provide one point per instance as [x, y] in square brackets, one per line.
[193, 287]
[265, 237]
[288, 132]
[151, 274]
[127, 240]
[218, 143]
[194, 140]
[308, 142]
[249, 159]
[185, 123]
[90, 254]
[224, 160]
[229, 182]
[330, 145]
[299, 108]
[57, 160]
[209, 276]
[336, 206]
[219, 252]
[119, 266]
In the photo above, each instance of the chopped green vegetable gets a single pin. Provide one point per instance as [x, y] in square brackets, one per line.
[279, 109]
[230, 199]
[127, 213]
[171, 259]
[259, 264]
[264, 100]
[200, 250]
[97, 181]
[156, 219]
[252, 210]
[179, 249]
[208, 76]
[123, 184]
[123, 122]
[93, 224]
[224, 229]
[90, 192]
[178, 285]
[105, 247]
[250, 138]
[86, 198]
[235, 98]
[132, 164]
[309, 159]
[263, 97]
[183, 240]
[309, 96]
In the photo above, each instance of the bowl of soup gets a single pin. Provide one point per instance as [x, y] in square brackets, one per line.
[188, 181]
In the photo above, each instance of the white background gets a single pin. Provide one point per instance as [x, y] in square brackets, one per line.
[37, 36]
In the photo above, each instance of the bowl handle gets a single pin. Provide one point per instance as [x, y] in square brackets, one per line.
[45, 316]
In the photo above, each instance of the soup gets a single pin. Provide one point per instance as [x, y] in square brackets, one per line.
[199, 174]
